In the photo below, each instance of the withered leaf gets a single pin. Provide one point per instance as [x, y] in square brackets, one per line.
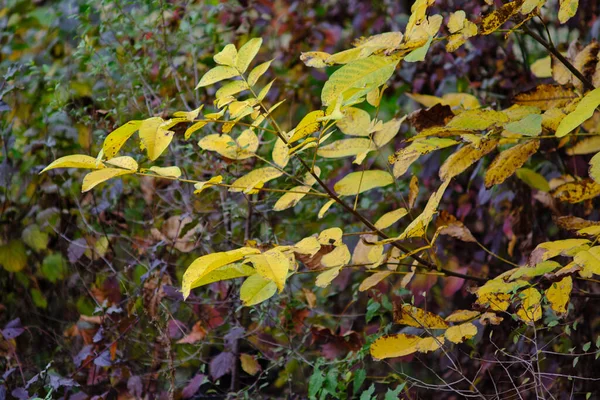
[438, 115]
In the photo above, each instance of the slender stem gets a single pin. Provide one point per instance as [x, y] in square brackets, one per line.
[550, 47]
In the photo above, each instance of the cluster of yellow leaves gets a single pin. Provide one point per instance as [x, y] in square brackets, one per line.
[402, 344]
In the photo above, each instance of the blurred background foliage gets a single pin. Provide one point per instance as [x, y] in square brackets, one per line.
[89, 300]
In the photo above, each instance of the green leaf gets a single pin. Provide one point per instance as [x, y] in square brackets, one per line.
[35, 238]
[54, 267]
[531, 125]
[366, 395]
[362, 75]
[420, 53]
[38, 298]
[315, 383]
[359, 377]
[394, 394]
[533, 179]
[13, 256]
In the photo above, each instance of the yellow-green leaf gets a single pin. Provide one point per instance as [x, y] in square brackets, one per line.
[230, 89]
[355, 122]
[595, 168]
[324, 278]
[200, 186]
[257, 72]
[559, 294]
[249, 364]
[567, 9]
[272, 265]
[315, 59]
[227, 56]
[497, 18]
[417, 227]
[530, 125]
[394, 346]
[585, 146]
[460, 333]
[584, 111]
[477, 119]
[359, 182]
[217, 74]
[247, 53]
[537, 270]
[96, 177]
[403, 159]
[531, 307]
[533, 179]
[124, 162]
[190, 116]
[508, 161]
[388, 131]
[373, 280]
[244, 147]
[358, 78]
[256, 289]
[75, 161]
[117, 138]
[13, 256]
[589, 260]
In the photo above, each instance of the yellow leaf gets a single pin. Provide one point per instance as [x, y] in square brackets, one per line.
[358, 78]
[202, 266]
[417, 227]
[338, 257]
[96, 177]
[462, 316]
[355, 122]
[584, 110]
[464, 158]
[413, 316]
[167, 171]
[368, 254]
[200, 186]
[194, 128]
[315, 59]
[373, 280]
[531, 307]
[388, 131]
[460, 333]
[425, 345]
[308, 125]
[390, 218]
[546, 97]
[227, 56]
[589, 260]
[575, 192]
[289, 200]
[256, 289]
[495, 301]
[244, 147]
[190, 116]
[394, 346]
[257, 72]
[254, 177]
[559, 294]
[230, 89]
[585, 146]
[272, 265]
[413, 191]
[154, 136]
[359, 182]
[508, 161]
[325, 208]
[13, 256]
[542, 68]
[331, 237]
[346, 148]
[595, 168]
[499, 286]
[124, 162]
[568, 8]
[456, 21]
[75, 161]
[117, 138]
[344, 57]
[226, 272]
[498, 17]
[247, 53]
[403, 159]
[324, 278]
[216, 74]
[309, 245]
[249, 364]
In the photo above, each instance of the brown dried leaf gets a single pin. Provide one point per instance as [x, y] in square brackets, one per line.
[576, 192]
[453, 227]
[438, 115]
